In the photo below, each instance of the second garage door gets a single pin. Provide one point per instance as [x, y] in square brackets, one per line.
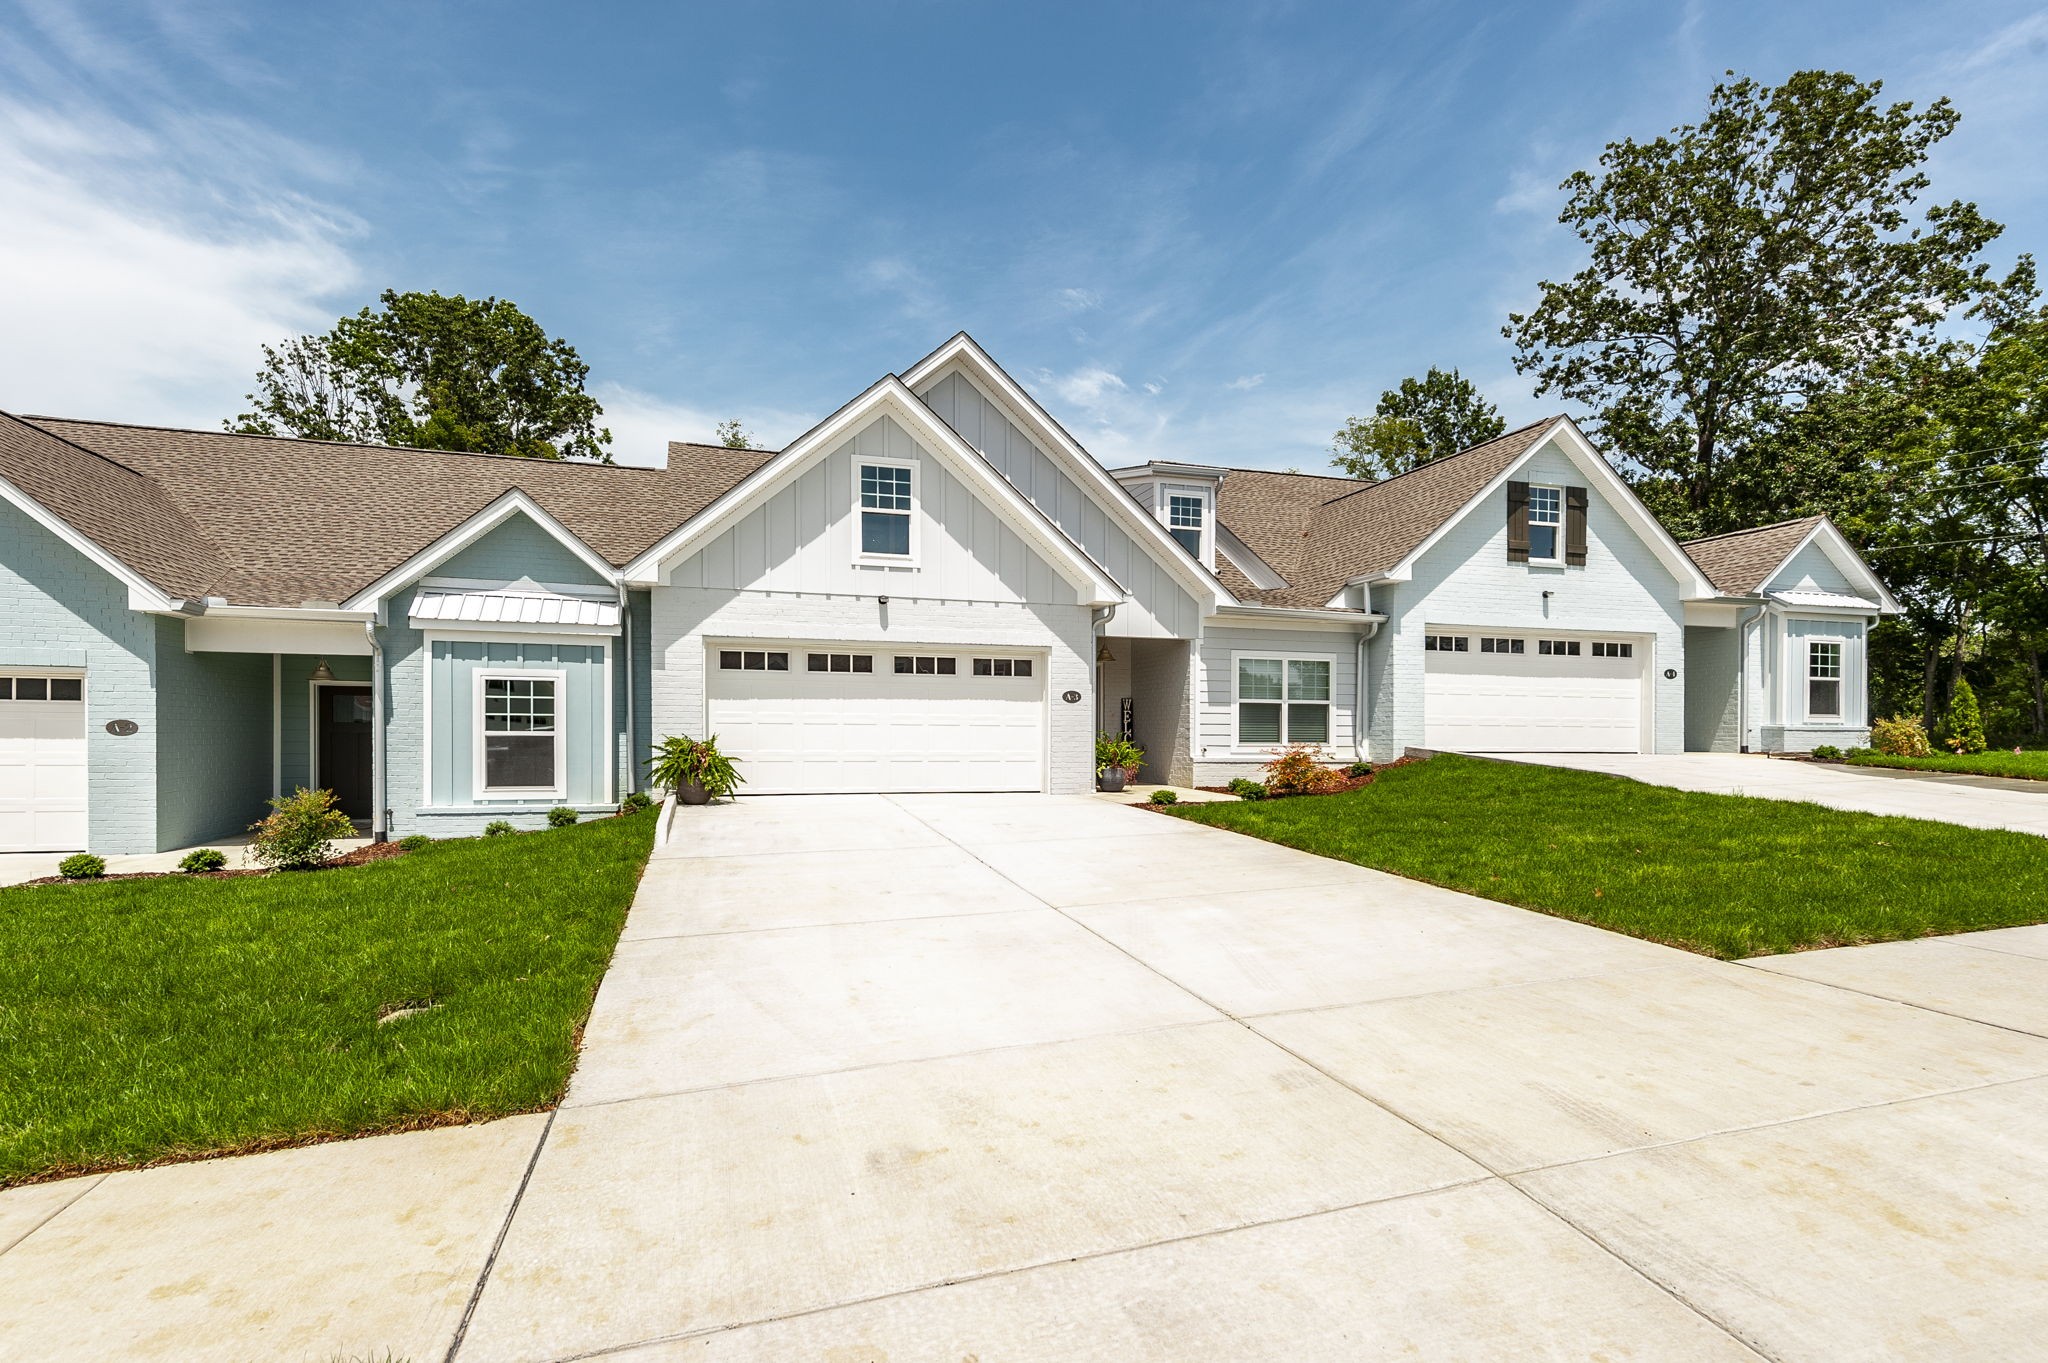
[819, 719]
[42, 763]
[1500, 692]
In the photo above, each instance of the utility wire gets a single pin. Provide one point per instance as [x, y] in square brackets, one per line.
[2027, 539]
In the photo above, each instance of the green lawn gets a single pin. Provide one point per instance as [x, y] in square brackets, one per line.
[143, 1020]
[2031, 765]
[1720, 874]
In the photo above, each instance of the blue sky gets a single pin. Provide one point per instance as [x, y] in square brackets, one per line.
[1200, 232]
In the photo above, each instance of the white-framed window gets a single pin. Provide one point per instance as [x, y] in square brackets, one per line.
[1002, 667]
[1187, 513]
[1446, 643]
[885, 499]
[923, 665]
[1823, 679]
[1608, 648]
[841, 662]
[1546, 524]
[1281, 700]
[753, 660]
[520, 733]
[1501, 645]
[1558, 648]
[42, 688]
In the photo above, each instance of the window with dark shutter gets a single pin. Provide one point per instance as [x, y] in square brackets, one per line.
[1518, 522]
[1575, 527]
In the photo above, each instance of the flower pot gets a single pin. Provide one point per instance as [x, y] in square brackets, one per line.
[1110, 779]
[693, 793]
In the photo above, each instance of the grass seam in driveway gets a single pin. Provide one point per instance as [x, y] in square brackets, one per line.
[146, 1021]
[1723, 875]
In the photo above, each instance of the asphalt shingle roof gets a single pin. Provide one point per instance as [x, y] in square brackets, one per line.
[1738, 562]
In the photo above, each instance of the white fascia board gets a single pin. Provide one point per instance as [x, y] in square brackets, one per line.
[1293, 617]
[1564, 432]
[1843, 555]
[143, 595]
[1255, 569]
[313, 613]
[1109, 493]
[888, 397]
[503, 508]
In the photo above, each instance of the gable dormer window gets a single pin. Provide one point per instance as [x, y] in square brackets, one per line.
[887, 494]
[1185, 512]
[1546, 523]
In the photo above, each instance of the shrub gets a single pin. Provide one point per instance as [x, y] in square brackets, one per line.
[203, 860]
[1114, 751]
[1900, 736]
[1853, 753]
[1965, 720]
[1828, 752]
[82, 866]
[1246, 789]
[678, 761]
[561, 816]
[1358, 769]
[1297, 772]
[413, 842]
[636, 801]
[1163, 797]
[498, 828]
[300, 831]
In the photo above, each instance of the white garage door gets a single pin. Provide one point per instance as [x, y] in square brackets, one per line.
[822, 718]
[42, 763]
[1501, 692]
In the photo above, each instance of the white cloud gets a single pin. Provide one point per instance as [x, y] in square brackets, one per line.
[1244, 383]
[642, 424]
[1080, 300]
[2026, 37]
[143, 269]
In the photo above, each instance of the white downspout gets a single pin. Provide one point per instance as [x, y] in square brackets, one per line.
[1742, 676]
[276, 725]
[379, 824]
[1363, 698]
[632, 729]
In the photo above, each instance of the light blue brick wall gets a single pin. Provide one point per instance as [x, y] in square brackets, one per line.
[1713, 705]
[295, 697]
[59, 609]
[213, 740]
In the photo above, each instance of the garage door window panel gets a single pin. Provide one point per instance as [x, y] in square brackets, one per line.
[887, 495]
[520, 740]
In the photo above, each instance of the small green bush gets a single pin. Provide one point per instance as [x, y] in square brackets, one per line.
[413, 842]
[203, 860]
[1901, 736]
[82, 866]
[1965, 720]
[1163, 797]
[1358, 769]
[498, 828]
[1828, 752]
[1246, 789]
[1853, 753]
[636, 801]
[561, 816]
[300, 831]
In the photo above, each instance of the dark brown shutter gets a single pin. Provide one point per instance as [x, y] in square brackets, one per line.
[1518, 522]
[1575, 527]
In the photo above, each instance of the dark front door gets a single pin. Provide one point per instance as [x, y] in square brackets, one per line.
[345, 726]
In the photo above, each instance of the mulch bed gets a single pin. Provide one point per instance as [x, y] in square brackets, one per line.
[1350, 783]
[361, 856]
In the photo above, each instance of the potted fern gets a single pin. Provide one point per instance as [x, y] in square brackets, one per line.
[694, 769]
[1117, 760]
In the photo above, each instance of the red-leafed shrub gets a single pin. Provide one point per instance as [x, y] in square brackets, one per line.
[1298, 770]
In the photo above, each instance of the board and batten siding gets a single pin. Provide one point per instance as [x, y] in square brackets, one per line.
[805, 537]
[1465, 582]
[1159, 606]
[1217, 756]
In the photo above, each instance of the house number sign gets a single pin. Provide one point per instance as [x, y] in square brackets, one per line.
[1670, 674]
[1071, 697]
[121, 728]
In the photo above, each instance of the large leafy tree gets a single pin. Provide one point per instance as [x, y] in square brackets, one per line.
[1741, 265]
[1423, 419]
[435, 371]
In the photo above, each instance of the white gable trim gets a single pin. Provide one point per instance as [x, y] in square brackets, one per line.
[891, 398]
[1832, 542]
[964, 354]
[512, 503]
[1569, 439]
[143, 595]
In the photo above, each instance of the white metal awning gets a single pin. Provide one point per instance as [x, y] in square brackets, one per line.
[1834, 601]
[526, 606]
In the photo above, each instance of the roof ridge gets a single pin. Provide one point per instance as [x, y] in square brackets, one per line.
[36, 420]
[1454, 454]
[1754, 529]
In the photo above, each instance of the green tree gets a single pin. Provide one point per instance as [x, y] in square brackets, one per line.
[734, 436]
[433, 371]
[1742, 264]
[1965, 727]
[1423, 419]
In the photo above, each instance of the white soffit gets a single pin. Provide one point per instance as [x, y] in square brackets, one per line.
[434, 606]
[1826, 601]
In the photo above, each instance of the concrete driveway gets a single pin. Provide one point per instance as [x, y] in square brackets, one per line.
[1975, 801]
[1017, 1078]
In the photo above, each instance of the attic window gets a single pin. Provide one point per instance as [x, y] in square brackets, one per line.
[887, 496]
[1546, 520]
[1184, 517]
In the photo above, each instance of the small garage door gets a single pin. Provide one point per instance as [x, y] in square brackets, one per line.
[1501, 692]
[817, 719]
[42, 763]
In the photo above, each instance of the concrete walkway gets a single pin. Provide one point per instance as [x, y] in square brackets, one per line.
[1044, 1079]
[1975, 801]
